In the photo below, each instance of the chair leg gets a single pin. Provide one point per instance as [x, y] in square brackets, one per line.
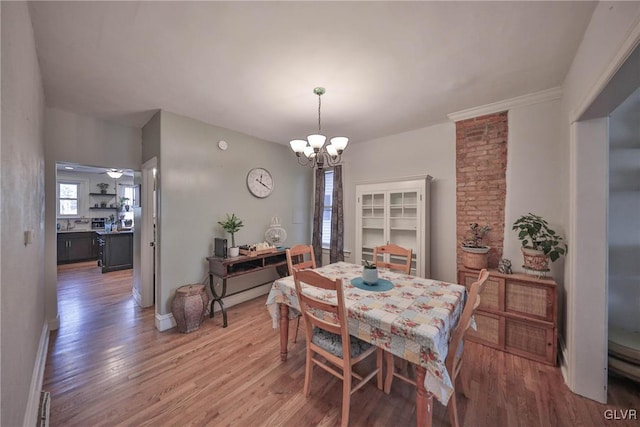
[295, 336]
[465, 383]
[389, 374]
[346, 396]
[307, 372]
[452, 407]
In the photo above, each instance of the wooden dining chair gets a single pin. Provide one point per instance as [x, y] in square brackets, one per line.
[298, 258]
[328, 336]
[453, 362]
[393, 251]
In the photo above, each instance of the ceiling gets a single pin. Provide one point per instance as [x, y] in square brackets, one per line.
[388, 67]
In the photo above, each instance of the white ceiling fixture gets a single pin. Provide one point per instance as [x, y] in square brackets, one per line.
[313, 151]
[115, 174]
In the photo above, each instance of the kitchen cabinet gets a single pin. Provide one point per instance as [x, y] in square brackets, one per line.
[394, 212]
[77, 246]
[517, 314]
[115, 250]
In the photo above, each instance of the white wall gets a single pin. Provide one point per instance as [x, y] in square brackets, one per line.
[534, 171]
[84, 140]
[624, 221]
[22, 293]
[199, 184]
[613, 31]
[426, 151]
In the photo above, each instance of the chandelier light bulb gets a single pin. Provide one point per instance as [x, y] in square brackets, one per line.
[297, 145]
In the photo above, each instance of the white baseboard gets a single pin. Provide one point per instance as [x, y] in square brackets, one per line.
[564, 369]
[37, 377]
[164, 322]
[54, 324]
[136, 296]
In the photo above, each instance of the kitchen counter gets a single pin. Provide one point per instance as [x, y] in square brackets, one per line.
[105, 233]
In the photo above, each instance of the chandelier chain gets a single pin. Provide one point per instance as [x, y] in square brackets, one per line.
[319, 105]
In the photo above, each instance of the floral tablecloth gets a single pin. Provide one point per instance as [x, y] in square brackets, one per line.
[413, 320]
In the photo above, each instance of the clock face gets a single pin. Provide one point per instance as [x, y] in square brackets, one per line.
[259, 182]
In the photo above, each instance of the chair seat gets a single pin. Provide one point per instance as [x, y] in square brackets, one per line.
[333, 343]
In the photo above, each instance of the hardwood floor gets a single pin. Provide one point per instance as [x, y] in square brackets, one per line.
[108, 365]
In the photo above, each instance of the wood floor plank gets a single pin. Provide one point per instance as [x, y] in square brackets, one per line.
[107, 365]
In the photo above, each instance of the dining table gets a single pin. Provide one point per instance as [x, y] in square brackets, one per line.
[408, 316]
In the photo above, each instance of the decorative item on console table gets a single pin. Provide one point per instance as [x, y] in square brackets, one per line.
[232, 225]
[474, 253]
[369, 272]
[539, 243]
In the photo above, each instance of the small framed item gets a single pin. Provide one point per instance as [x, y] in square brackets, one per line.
[260, 182]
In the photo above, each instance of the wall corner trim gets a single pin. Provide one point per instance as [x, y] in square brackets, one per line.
[37, 378]
[507, 104]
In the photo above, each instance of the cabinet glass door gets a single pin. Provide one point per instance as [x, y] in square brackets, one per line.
[373, 223]
[403, 222]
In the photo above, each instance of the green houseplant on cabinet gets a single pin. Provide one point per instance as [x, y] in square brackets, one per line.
[539, 242]
[232, 225]
[475, 255]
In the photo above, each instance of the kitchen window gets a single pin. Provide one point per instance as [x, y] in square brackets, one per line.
[68, 200]
[328, 206]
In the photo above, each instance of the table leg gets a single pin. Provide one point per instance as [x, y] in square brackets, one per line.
[284, 331]
[218, 298]
[424, 400]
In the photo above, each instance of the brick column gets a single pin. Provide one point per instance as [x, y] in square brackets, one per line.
[481, 185]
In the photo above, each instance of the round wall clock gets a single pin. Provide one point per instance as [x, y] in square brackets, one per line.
[260, 182]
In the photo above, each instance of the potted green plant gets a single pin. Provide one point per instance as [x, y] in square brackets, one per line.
[231, 225]
[475, 255]
[103, 187]
[539, 242]
[123, 203]
[369, 272]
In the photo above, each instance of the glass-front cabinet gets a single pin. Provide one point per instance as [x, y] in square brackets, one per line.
[394, 212]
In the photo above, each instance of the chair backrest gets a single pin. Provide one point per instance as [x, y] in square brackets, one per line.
[336, 321]
[473, 301]
[297, 258]
[393, 251]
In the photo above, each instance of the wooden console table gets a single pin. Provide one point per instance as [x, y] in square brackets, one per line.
[226, 268]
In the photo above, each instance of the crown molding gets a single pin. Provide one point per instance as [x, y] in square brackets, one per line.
[507, 104]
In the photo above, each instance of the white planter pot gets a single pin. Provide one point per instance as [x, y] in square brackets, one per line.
[233, 252]
[370, 275]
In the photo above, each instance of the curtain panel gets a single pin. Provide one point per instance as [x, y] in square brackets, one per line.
[336, 252]
[317, 217]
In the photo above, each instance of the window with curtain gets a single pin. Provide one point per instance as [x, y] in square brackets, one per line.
[68, 198]
[328, 207]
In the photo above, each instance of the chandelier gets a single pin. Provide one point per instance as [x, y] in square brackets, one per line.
[313, 151]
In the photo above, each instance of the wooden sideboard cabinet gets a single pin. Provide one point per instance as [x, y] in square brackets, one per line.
[517, 314]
